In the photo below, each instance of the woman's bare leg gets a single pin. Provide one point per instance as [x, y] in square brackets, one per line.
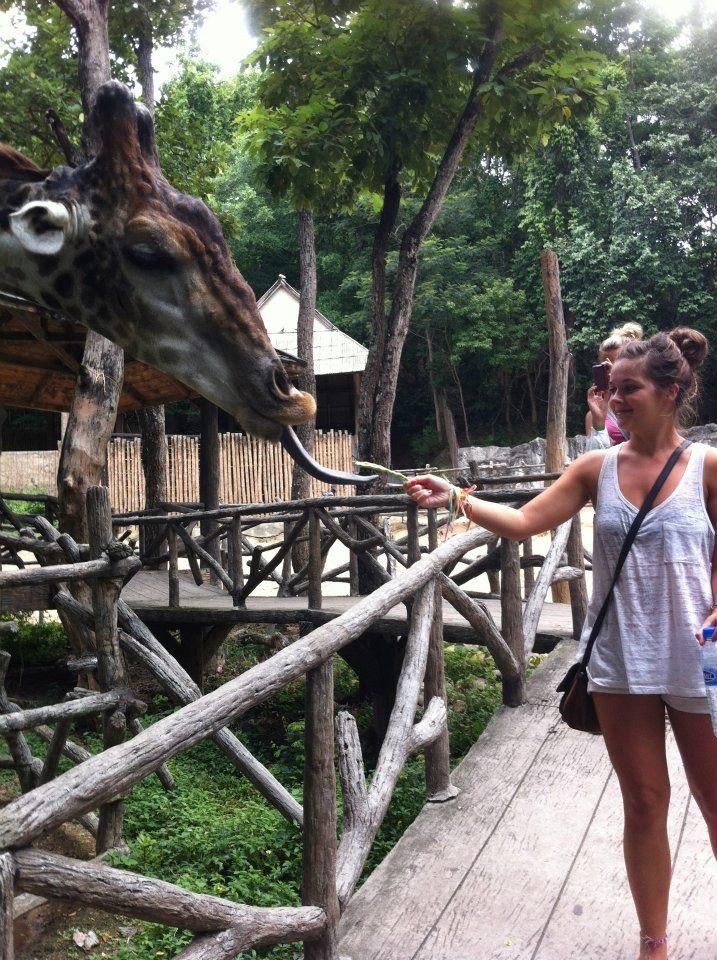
[634, 729]
[698, 748]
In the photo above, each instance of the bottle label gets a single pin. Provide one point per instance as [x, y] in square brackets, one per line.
[710, 674]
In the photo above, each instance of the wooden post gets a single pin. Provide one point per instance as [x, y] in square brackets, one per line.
[7, 885]
[110, 666]
[236, 559]
[511, 611]
[318, 873]
[173, 573]
[438, 755]
[555, 436]
[578, 588]
[315, 561]
[353, 562]
[528, 572]
[493, 575]
[209, 473]
[413, 546]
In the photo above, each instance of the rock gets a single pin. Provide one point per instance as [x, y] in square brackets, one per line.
[85, 941]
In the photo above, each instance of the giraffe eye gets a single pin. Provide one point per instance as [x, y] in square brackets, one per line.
[149, 257]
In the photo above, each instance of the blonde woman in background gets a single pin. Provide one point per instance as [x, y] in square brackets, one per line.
[601, 428]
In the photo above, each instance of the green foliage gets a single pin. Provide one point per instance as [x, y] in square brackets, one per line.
[35, 645]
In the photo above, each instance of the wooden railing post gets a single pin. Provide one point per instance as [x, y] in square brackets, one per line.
[353, 562]
[235, 557]
[528, 572]
[511, 610]
[493, 575]
[315, 560]
[318, 873]
[110, 666]
[173, 573]
[438, 755]
[578, 588]
[413, 546]
[7, 885]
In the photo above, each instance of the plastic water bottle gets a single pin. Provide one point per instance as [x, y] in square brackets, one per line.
[709, 669]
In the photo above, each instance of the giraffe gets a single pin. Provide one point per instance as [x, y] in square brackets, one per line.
[112, 244]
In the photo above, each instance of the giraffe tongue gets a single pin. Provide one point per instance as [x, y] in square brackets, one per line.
[291, 443]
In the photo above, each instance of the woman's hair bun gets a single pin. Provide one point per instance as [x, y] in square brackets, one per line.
[628, 331]
[691, 343]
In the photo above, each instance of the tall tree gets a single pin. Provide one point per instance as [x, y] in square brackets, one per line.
[389, 95]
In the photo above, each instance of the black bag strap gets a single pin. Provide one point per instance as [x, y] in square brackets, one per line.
[629, 539]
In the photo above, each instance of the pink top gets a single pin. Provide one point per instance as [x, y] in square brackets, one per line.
[613, 430]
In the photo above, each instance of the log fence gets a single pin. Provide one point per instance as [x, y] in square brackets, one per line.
[332, 863]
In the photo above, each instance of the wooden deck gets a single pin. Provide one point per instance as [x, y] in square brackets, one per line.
[526, 863]
[148, 594]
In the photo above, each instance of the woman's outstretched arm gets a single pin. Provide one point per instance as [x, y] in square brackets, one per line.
[558, 503]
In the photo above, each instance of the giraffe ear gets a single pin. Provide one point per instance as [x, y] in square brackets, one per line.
[41, 226]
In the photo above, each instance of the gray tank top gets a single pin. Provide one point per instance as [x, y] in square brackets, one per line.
[664, 592]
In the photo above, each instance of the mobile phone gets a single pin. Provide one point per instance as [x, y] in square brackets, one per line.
[601, 378]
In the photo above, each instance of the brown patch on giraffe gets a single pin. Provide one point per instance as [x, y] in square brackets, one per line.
[64, 285]
[88, 296]
[46, 265]
[47, 298]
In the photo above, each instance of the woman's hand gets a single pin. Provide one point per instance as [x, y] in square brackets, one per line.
[428, 490]
[711, 621]
[597, 403]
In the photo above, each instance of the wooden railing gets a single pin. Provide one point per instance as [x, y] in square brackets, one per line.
[332, 864]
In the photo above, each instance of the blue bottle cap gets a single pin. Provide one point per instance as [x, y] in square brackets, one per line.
[708, 633]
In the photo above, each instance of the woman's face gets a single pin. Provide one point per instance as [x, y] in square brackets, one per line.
[635, 400]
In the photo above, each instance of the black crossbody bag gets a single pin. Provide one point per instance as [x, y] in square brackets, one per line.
[576, 705]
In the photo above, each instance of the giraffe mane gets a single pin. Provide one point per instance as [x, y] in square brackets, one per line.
[16, 166]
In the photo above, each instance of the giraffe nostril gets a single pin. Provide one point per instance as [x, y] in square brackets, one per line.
[281, 381]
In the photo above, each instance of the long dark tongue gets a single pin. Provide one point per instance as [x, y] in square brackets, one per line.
[291, 443]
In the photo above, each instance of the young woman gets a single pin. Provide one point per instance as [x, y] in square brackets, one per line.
[601, 428]
[646, 660]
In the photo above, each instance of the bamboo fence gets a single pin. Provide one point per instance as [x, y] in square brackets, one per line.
[251, 470]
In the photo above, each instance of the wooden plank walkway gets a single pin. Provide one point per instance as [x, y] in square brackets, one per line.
[148, 594]
[526, 863]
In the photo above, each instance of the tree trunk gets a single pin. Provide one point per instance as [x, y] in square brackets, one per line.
[445, 423]
[94, 406]
[379, 331]
[555, 434]
[378, 388]
[145, 70]
[89, 427]
[300, 479]
[530, 381]
[209, 472]
[89, 18]
[154, 463]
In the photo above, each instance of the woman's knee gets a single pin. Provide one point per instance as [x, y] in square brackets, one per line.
[646, 804]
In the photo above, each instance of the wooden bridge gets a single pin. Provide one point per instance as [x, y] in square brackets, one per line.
[526, 863]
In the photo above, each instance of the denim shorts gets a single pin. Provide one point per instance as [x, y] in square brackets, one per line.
[684, 704]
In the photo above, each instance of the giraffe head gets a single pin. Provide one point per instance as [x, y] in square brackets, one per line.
[115, 246]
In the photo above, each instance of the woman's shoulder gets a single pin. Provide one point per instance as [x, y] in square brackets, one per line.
[710, 460]
[587, 467]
